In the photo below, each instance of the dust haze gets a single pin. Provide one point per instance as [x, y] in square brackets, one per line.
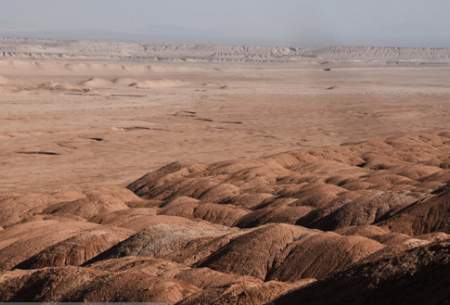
[303, 23]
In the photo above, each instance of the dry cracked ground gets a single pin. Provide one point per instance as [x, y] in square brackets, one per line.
[364, 221]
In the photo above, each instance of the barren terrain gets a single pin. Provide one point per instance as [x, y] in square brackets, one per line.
[223, 175]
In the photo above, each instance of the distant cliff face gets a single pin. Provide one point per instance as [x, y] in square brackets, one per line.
[42, 48]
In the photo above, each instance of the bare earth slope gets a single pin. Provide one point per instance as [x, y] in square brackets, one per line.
[391, 236]
[418, 276]
[268, 175]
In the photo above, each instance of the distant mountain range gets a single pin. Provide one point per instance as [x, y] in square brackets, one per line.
[183, 52]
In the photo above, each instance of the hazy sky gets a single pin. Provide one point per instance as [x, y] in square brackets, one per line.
[285, 22]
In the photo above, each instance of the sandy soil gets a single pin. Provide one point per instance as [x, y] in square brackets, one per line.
[73, 122]
[303, 175]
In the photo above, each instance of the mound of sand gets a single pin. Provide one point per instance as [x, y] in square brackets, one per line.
[158, 84]
[97, 83]
[55, 86]
[127, 82]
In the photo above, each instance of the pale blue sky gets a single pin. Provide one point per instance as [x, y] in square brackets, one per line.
[285, 22]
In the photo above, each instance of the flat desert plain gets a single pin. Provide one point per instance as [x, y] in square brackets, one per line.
[224, 181]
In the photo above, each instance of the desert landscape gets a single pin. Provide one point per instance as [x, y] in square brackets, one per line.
[214, 174]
